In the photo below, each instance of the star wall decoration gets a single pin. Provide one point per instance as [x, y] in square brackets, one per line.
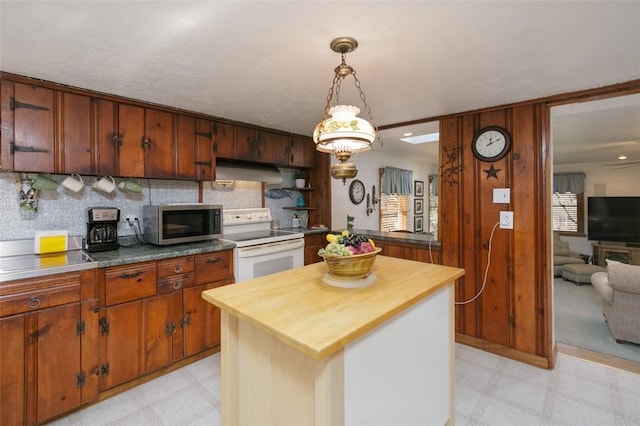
[492, 172]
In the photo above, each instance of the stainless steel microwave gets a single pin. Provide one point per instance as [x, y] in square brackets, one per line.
[181, 223]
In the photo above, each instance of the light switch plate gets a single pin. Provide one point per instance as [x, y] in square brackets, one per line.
[501, 195]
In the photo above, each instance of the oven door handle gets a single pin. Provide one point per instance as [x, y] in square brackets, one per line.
[269, 248]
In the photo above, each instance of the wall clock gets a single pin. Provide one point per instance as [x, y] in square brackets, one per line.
[356, 191]
[491, 143]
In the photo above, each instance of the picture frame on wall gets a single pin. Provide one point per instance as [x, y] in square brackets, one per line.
[418, 206]
[418, 225]
[418, 188]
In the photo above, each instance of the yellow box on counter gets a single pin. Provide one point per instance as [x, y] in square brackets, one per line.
[50, 242]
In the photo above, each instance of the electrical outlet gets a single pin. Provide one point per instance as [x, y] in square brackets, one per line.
[506, 220]
[130, 218]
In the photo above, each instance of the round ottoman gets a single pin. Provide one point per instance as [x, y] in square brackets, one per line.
[580, 273]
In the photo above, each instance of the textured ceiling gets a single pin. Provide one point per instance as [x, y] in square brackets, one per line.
[269, 63]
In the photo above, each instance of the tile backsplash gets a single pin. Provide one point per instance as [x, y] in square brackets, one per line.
[64, 210]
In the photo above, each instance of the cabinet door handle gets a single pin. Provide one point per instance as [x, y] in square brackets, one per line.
[146, 143]
[176, 285]
[128, 275]
[34, 302]
[177, 269]
[185, 321]
[115, 138]
[170, 328]
[212, 260]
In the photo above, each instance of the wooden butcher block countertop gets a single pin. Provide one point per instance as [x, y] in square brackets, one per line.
[299, 309]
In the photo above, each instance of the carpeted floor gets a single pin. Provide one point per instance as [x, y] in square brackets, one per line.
[578, 321]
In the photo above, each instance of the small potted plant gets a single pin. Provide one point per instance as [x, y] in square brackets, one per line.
[300, 176]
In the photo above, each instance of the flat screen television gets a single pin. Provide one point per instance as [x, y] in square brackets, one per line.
[613, 219]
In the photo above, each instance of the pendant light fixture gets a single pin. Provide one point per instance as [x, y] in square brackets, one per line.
[341, 131]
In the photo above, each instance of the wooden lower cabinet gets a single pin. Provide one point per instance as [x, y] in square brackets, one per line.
[49, 356]
[67, 337]
[153, 331]
[313, 243]
[121, 344]
[410, 252]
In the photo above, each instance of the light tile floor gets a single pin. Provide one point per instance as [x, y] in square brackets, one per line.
[490, 390]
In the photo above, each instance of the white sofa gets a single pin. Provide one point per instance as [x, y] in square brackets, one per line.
[620, 291]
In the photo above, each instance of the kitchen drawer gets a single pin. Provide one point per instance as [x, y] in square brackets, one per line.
[30, 295]
[214, 266]
[126, 283]
[175, 266]
[176, 282]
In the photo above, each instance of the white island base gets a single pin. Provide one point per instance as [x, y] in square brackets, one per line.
[399, 373]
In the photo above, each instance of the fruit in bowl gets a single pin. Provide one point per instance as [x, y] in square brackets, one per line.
[349, 256]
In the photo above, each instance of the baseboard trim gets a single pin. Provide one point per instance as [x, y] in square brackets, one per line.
[599, 358]
[514, 354]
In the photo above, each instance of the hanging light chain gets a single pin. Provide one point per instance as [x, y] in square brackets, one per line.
[366, 105]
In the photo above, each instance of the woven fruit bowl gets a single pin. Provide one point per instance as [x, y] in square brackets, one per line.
[352, 267]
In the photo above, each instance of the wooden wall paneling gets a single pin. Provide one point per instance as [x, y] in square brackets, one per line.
[525, 193]
[513, 310]
[450, 220]
[496, 311]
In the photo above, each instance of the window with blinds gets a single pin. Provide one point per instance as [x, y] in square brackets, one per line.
[567, 212]
[393, 211]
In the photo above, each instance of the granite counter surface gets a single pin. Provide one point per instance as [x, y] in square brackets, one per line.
[398, 237]
[148, 252]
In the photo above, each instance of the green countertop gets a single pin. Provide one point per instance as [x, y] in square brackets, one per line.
[147, 252]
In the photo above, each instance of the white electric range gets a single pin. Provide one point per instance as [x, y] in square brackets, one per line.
[260, 250]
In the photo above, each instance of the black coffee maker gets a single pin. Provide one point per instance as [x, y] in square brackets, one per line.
[102, 229]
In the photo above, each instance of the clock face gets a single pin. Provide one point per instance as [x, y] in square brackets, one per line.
[491, 143]
[356, 191]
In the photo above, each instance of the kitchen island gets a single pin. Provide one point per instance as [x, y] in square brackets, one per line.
[298, 351]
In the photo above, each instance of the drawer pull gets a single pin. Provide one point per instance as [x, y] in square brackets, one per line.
[177, 269]
[127, 275]
[34, 303]
[213, 260]
[176, 285]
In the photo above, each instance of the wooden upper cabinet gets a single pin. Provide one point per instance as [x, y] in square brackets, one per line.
[205, 160]
[301, 152]
[130, 133]
[74, 133]
[32, 147]
[105, 135]
[225, 140]
[195, 157]
[6, 127]
[186, 147]
[256, 145]
[158, 144]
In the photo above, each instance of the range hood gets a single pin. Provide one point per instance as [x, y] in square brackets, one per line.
[238, 170]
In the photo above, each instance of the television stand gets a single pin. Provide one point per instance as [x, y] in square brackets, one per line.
[621, 253]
